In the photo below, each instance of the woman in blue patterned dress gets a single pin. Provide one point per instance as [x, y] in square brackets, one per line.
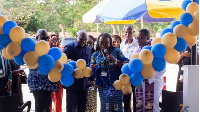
[106, 63]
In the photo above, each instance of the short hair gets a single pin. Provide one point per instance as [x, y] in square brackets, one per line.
[81, 32]
[90, 36]
[117, 37]
[145, 31]
[129, 26]
[40, 31]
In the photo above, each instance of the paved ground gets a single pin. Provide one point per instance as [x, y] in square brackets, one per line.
[171, 75]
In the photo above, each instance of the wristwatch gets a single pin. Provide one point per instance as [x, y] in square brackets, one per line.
[116, 61]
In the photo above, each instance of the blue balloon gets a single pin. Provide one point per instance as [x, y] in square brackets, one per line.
[4, 40]
[125, 69]
[43, 72]
[197, 2]
[67, 70]
[55, 53]
[73, 63]
[19, 59]
[7, 26]
[174, 23]
[159, 64]
[158, 50]
[67, 80]
[147, 47]
[166, 30]
[181, 45]
[135, 65]
[28, 44]
[185, 3]
[46, 62]
[186, 19]
[136, 79]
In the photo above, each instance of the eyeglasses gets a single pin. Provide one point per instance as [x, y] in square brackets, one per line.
[140, 38]
[54, 39]
[84, 39]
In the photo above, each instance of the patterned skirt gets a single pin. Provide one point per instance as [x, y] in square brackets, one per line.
[110, 103]
[92, 100]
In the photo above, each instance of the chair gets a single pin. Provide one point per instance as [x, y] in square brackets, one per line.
[11, 104]
[171, 101]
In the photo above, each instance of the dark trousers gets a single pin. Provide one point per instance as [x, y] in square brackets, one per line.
[76, 100]
[127, 101]
[3, 90]
[42, 100]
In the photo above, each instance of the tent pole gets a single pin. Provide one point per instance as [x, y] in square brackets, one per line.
[142, 23]
[97, 27]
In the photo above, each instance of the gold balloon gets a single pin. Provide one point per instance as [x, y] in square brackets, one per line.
[87, 72]
[180, 30]
[31, 58]
[191, 40]
[172, 55]
[63, 58]
[1, 30]
[17, 34]
[169, 40]
[54, 76]
[196, 16]
[58, 67]
[126, 89]
[78, 73]
[146, 56]
[148, 71]
[193, 29]
[33, 67]
[42, 48]
[117, 85]
[13, 49]
[27, 35]
[81, 64]
[124, 78]
[156, 41]
[6, 55]
[2, 20]
[192, 7]
[135, 55]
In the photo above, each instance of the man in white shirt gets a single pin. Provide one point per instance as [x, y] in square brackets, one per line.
[129, 44]
[127, 47]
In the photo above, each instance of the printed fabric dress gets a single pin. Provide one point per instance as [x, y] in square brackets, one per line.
[106, 73]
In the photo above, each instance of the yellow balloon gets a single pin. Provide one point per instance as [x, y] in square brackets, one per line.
[6, 55]
[17, 34]
[87, 72]
[2, 20]
[135, 55]
[169, 40]
[27, 35]
[148, 71]
[124, 78]
[196, 16]
[192, 7]
[1, 30]
[180, 30]
[117, 85]
[54, 76]
[78, 73]
[33, 67]
[13, 49]
[42, 48]
[156, 41]
[172, 55]
[63, 58]
[146, 56]
[58, 67]
[191, 40]
[31, 58]
[126, 89]
[81, 64]
[193, 29]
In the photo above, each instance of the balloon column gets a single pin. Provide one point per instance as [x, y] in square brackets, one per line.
[145, 62]
[18, 45]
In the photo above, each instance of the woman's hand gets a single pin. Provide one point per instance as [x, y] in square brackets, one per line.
[9, 86]
[110, 57]
[186, 54]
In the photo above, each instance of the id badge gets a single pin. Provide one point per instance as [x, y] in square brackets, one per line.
[1, 71]
[104, 73]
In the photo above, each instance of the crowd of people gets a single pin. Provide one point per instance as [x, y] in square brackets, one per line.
[106, 60]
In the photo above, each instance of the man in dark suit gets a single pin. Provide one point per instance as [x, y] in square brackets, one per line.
[77, 93]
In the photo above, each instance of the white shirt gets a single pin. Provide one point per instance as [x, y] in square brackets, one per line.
[128, 49]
